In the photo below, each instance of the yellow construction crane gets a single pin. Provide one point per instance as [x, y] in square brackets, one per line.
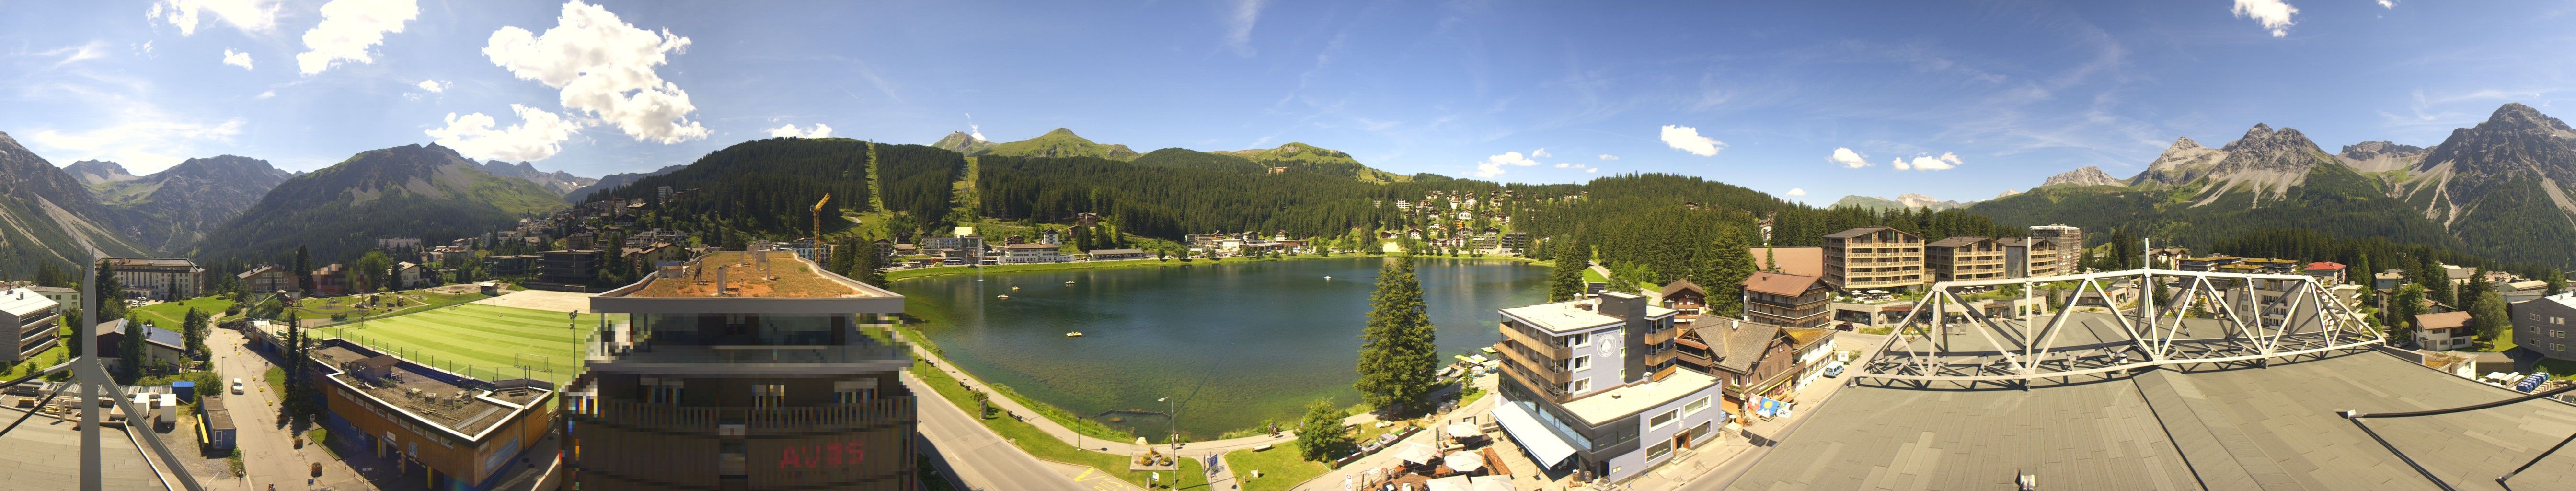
[818, 217]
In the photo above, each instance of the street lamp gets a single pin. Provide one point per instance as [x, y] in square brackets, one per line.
[1173, 416]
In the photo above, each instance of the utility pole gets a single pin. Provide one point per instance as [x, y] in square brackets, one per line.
[86, 374]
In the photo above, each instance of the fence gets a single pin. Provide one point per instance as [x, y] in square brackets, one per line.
[487, 374]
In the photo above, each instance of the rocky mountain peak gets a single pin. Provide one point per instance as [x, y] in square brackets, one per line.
[2183, 143]
[2515, 116]
[94, 172]
[2374, 149]
[2087, 176]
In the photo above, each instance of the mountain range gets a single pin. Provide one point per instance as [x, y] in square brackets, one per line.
[171, 210]
[1063, 143]
[48, 216]
[428, 192]
[2498, 189]
[563, 183]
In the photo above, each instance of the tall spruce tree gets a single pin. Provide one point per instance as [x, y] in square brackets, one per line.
[2490, 315]
[1566, 281]
[1398, 352]
[110, 293]
[194, 327]
[867, 263]
[303, 267]
[1729, 264]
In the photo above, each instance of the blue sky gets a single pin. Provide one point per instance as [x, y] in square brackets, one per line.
[1973, 98]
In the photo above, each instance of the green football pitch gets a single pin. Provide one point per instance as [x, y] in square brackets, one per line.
[481, 341]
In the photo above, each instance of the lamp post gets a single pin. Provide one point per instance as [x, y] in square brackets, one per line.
[1172, 416]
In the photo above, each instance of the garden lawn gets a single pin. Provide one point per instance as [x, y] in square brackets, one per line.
[168, 315]
[481, 341]
[1042, 445]
[1280, 468]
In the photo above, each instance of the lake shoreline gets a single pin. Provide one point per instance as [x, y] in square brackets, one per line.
[938, 271]
[933, 314]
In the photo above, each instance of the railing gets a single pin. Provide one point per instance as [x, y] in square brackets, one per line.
[754, 419]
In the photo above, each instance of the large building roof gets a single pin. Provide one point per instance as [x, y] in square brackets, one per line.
[1783, 284]
[23, 301]
[1801, 261]
[1602, 407]
[1854, 232]
[2272, 428]
[1956, 241]
[787, 277]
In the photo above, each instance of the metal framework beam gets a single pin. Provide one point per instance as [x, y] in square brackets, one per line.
[2292, 316]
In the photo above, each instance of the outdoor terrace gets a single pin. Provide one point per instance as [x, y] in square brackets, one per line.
[787, 276]
[465, 411]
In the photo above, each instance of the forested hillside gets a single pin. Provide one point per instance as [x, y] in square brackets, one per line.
[428, 192]
[762, 187]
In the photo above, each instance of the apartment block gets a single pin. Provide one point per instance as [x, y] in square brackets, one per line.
[1580, 396]
[2024, 258]
[160, 278]
[1964, 259]
[35, 320]
[1873, 257]
[2070, 245]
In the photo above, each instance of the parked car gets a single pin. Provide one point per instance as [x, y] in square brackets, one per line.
[1834, 370]
[237, 386]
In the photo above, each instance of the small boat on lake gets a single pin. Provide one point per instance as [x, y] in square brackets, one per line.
[1015, 288]
[1328, 278]
[1068, 282]
[1004, 297]
[1074, 334]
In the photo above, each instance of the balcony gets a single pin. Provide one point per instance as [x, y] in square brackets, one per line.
[839, 418]
[862, 356]
[1535, 372]
[1538, 346]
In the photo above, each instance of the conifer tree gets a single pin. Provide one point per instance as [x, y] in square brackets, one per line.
[1566, 281]
[1398, 352]
[130, 351]
[1728, 266]
[2490, 315]
[1320, 435]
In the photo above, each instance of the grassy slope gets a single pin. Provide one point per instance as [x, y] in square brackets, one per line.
[168, 315]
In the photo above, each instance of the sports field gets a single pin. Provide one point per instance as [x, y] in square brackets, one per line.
[481, 341]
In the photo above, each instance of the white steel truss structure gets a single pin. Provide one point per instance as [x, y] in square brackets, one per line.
[2111, 323]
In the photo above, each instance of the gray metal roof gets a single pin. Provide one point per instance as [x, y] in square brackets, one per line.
[2253, 428]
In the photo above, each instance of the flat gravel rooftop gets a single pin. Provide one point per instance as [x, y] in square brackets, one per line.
[2255, 428]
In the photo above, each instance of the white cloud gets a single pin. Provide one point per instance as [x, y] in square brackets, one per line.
[1687, 139]
[2387, 4]
[1946, 161]
[977, 132]
[1539, 154]
[435, 86]
[147, 144]
[1794, 192]
[75, 54]
[350, 30]
[820, 131]
[1493, 166]
[604, 67]
[265, 94]
[2272, 14]
[1849, 158]
[1238, 25]
[236, 58]
[1609, 157]
[1593, 170]
[246, 15]
[540, 134]
[147, 48]
[1562, 165]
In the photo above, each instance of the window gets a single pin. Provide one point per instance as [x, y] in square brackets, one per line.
[1659, 420]
[1695, 406]
[1579, 363]
[1660, 450]
[1578, 340]
[2557, 347]
[661, 391]
[2557, 320]
[768, 395]
[1578, 386]
[2557, 333]
[854, 391]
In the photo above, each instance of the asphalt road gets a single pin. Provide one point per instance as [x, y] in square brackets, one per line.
[979, 456]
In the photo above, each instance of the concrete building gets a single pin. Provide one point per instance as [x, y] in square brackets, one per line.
[270, 279]
[1784, 299]
[1516, 243]
[1116, 254]
[2445, 331]
[1964, 259]
[732, 378]
[161, 347]
[2213, 262]
[2542, 325]
[333, 280]
[1580, 396]
[1872, 258]
[2327, 271]
[568, 270]
[165, 279]
[511, 265]
[2024, 258]
[458, 431]
[410, 275]
[2070, 245]
[1031, 254]
[393, 244]
[35, 320]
